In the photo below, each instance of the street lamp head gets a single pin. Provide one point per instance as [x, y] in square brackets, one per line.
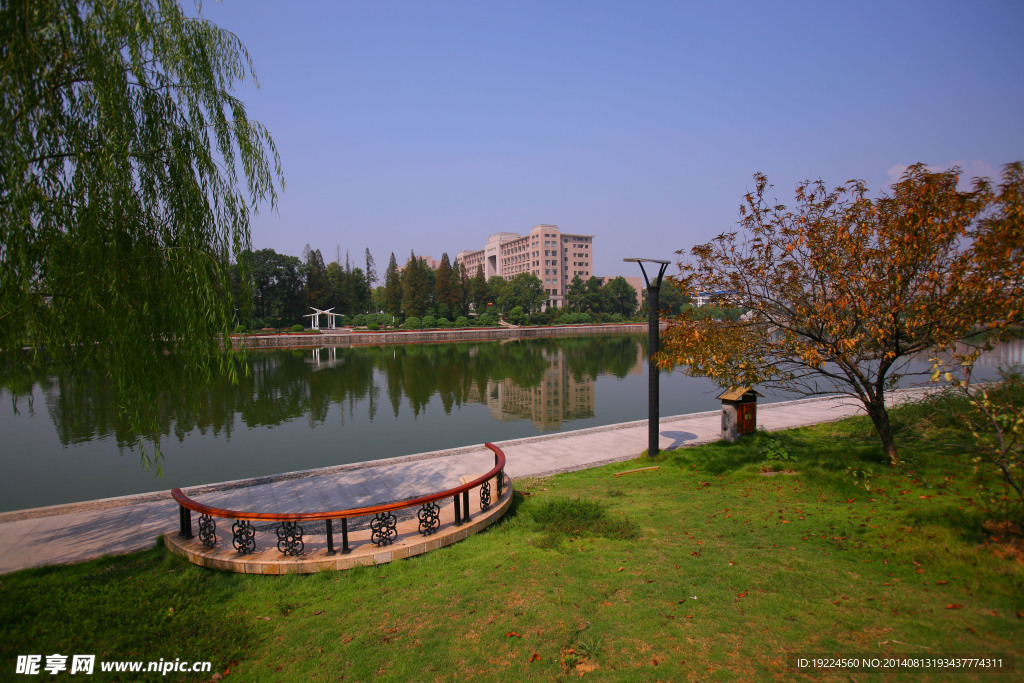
[661, 271]
[646, 260]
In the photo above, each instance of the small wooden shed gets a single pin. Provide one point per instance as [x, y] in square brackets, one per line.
[739, 412]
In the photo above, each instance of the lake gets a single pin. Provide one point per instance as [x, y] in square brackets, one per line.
[305, 408]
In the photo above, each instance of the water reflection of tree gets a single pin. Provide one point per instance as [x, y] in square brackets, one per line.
[616, 356]
[284, 385]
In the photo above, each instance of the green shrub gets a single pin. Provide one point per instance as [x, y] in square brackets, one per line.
[541, 318]
[429, 321]
[297, 328]
[774, 450]
[412, 323]
[563, 517]
[373, 327]
[575, 319]
[517, 316]
[462, 321]
[239, 329]
[359, 320]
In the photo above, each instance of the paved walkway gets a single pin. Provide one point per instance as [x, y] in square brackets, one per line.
[81, 531]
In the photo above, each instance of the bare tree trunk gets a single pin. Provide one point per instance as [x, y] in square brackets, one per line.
[880, 417]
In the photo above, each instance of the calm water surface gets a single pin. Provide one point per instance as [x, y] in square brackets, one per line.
[300, 409]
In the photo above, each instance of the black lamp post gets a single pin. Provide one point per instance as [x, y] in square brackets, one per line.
[653, 333]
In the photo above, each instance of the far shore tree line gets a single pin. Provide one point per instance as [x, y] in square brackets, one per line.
[284, 288]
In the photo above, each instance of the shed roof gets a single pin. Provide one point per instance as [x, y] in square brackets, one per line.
[736, 393]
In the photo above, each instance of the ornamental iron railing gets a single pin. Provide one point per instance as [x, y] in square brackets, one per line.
[383, 525]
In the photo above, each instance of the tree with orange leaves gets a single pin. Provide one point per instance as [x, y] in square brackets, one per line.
[843, 290]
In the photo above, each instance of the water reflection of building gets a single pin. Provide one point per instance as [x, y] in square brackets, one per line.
[557, 398]
[1007, 355]
[329, 360]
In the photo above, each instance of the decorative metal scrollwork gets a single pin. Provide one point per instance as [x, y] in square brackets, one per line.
[501, 482]
[485, 495]
[382, 529]
[244, 537]
[207, 531]
[430, 518]
[289, 538]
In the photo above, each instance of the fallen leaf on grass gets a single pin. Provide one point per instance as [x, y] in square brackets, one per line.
[955, 605]
[264, 618]
[939, 583]
[535, 657]
[348, 640]
[318, 613]
[607, 604]
[513, 634]
[743, 594]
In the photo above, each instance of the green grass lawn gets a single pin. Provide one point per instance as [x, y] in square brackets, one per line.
[708, 568]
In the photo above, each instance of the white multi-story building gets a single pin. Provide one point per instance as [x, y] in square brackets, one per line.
[553, 256]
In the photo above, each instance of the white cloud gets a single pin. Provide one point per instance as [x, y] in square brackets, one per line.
[896, 172]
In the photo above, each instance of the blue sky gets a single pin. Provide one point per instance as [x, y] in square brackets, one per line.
[430, 125]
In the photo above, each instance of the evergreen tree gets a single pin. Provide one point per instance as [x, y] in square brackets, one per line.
[417, 286]
[593, 297]
[335, 287]
[479, 292]
[277, 284]
[525, 291]
[316, 278]
[495, 287]
[576, 294]
[446, 288]
[619, 296]
[464, 288]
[392, 288]
[371, 270]
[357, 292]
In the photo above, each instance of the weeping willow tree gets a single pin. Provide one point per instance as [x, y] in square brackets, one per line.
[129, 176]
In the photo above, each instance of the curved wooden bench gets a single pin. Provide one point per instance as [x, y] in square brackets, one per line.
[383, 525]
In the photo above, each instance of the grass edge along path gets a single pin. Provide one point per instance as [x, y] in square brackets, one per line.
[718, 565]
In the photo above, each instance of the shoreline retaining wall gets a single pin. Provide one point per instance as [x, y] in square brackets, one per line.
[352, 338]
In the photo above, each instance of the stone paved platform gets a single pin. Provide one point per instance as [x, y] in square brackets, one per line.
[81, 531]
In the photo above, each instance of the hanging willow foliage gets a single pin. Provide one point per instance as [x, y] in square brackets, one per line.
[129, 174]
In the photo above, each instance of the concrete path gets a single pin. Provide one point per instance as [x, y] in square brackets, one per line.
[81, 531]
